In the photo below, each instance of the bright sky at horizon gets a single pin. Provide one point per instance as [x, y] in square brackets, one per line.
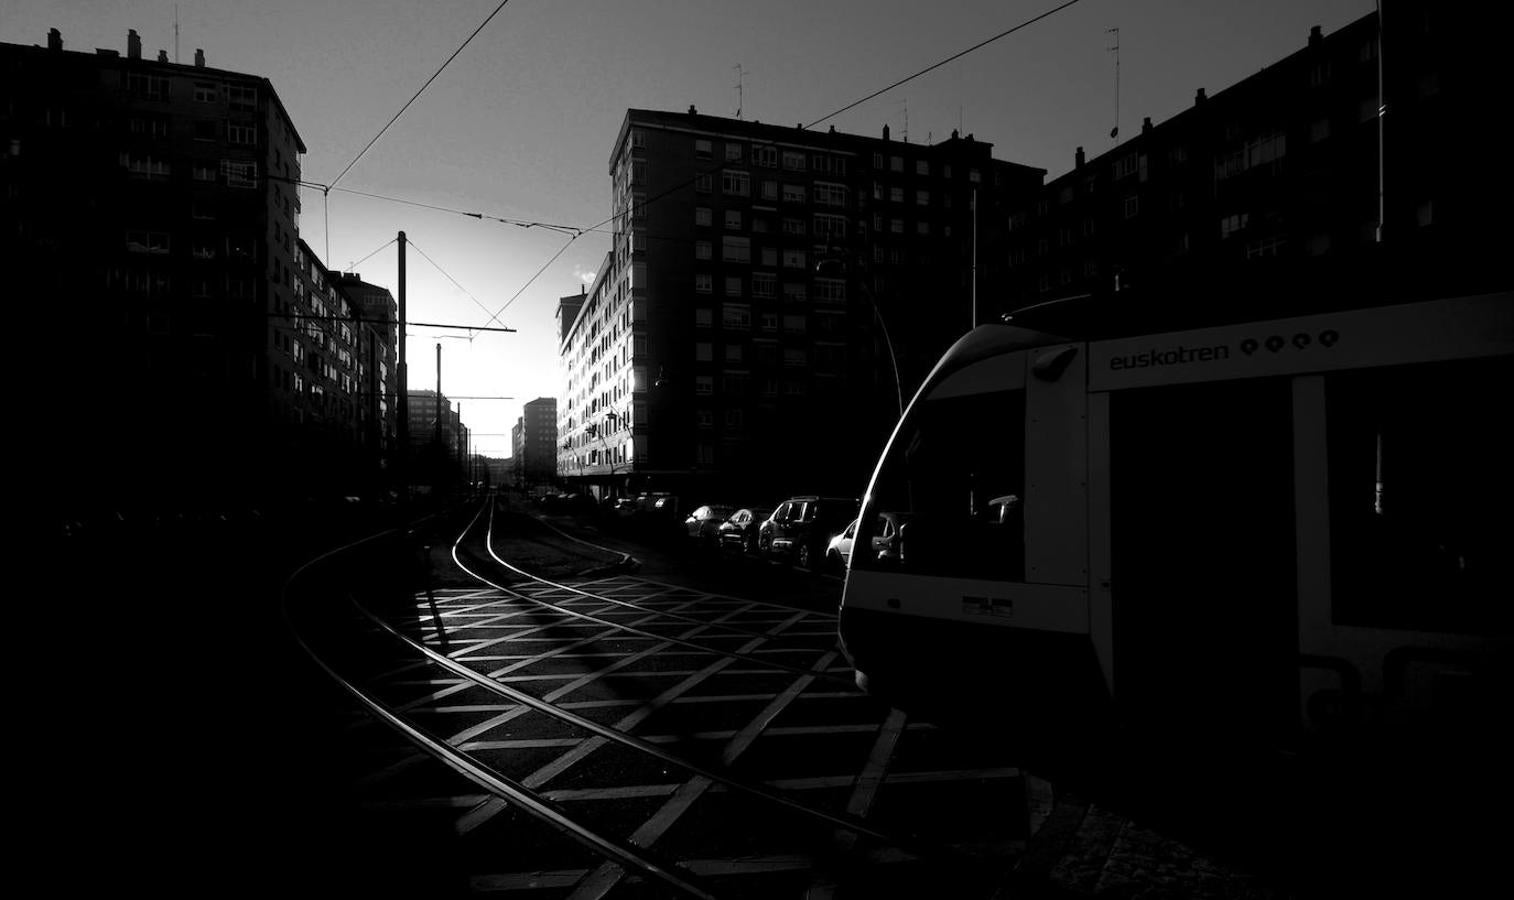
[520, 125]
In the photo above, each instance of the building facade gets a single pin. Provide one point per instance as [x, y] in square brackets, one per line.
[156, 205]
[1337, 176]
[772, 299]
[533, 443]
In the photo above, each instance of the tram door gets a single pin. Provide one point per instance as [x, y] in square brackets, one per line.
[1203, 582]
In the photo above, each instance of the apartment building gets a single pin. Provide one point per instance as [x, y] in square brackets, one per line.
[772, 299]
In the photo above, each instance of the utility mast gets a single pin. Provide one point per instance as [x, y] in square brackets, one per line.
[1114, 133]
[740, 88]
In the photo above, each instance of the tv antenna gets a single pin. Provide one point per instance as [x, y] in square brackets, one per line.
[176, 34]
[740, 88]
[1114, 133]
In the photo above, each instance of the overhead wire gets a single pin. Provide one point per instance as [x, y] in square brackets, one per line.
[449, 277]
[422, 90]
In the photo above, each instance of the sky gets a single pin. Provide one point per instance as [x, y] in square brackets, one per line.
[520, 124]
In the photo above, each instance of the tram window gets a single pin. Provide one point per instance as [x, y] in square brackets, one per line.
[952, 487]
[1420, 496]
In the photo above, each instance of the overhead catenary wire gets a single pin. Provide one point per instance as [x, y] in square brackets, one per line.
[422, 90]
[448, 276]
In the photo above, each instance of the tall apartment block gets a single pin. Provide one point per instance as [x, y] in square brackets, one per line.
[532, 442]
[1345, 173]
[773, 296]
[167, 301]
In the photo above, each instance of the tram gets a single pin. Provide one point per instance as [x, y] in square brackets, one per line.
[1260, 533]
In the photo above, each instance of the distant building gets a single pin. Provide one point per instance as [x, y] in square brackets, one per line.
[533, 442]
[156, 206]
[772, 297]
[1276, 196]
[376, 313]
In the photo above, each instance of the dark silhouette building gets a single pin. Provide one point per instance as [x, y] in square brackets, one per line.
[533, 442]
[1288, 192]
[156, 208]
[773, 295]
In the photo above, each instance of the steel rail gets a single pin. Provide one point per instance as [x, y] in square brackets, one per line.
[766, 663]
[840, 820]
[499, 785]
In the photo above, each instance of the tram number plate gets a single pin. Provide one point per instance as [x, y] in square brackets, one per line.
[987, 606]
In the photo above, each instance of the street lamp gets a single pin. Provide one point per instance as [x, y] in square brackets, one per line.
[872, 302]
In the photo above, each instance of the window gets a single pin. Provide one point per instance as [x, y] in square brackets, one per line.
[702, 249]
[794, 292]
[147, 241]
[704, 351]
[733, 285]
[738, 184]
[767, 157]
[203, 172]
[241, 134]
[793, 259]
[922, 167]
[896, 226]
[1266, 148]
[974, 176]
[793, 161]
[794, 357]
[1419, 530]
[736, 315]
[793, 227]
[896, 164]
[828, 226]
[704, 283]
[1132, 206]
[1319, 130]
[736, 249]
[830, 290]
[704, 184]
[793, 193]
[703, 148]
[764, 284]
[896, 194]
[703, 216]
[963, 508]
[704, 384]
[770, 190]
[829, 194]
[704, 318]
[922, 229]
[243, 98]
[205, 93]
[922, 198]
[1231, 224]
[770, 256]
[733, 152]
[733, 219]
[240, 174]
[1125, 166]
[1264, 247]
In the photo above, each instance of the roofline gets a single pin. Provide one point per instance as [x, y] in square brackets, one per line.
[175, 68]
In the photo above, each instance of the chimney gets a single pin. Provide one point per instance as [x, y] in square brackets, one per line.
[1199, 97]
[199, 58]
[692, 110]
[1315, 37]
[885, 132]
[133, 44]
[1078, 159]
[162, 56]
[1145, 124]
[54, 39]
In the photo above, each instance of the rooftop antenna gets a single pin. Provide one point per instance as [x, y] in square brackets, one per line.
[176, 34]
[906, 120]
[740, 92]
[1114, 133]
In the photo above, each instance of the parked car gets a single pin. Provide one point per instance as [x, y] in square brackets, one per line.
[739, 532]
[884, 541]
[704, 523]
[839, 551]
[802, 526]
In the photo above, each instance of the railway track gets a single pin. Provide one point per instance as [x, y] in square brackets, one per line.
[613, 736]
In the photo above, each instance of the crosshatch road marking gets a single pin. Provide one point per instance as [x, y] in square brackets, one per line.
[609, 874]
[493, 807]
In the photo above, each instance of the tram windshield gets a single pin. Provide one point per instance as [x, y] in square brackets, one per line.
[948, 498]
